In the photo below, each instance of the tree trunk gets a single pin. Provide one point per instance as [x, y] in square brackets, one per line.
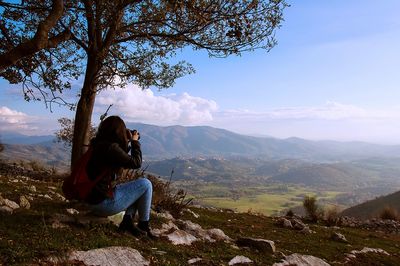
[84, 111]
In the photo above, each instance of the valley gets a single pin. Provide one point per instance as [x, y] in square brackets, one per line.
[224, 169]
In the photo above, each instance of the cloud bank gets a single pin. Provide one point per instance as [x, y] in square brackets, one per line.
[332, 120]
[137, 105]
[12, 120]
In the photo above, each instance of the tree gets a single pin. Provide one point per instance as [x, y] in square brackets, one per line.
[14, 48]
[66, 134]
[116, 42]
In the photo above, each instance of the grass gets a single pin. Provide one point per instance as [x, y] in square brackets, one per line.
[27, 237]
[268, 200]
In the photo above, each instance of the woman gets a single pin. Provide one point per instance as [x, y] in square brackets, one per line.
[110, 151]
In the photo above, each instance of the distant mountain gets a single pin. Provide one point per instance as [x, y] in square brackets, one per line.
[201, 141]
[373, 208]
[16, 138]
[172, 141]
[47, 153]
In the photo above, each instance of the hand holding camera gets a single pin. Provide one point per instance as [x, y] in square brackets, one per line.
[135, 134]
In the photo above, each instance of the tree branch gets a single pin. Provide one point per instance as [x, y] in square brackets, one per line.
[41, 39]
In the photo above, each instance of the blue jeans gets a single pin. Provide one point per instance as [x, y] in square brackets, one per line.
[130, 197]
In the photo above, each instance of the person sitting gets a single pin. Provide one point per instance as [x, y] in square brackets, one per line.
[110, 151]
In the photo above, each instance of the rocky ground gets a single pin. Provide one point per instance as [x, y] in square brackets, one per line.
[39, 227]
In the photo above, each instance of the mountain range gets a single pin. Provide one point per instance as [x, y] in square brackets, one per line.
[166, 142]
[172, 141]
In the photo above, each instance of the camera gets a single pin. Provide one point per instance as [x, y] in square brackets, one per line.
[134, 131]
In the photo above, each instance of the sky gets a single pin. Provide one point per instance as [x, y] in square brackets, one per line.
[334, 74]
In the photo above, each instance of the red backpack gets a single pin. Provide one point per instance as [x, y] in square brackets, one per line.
[78, 185]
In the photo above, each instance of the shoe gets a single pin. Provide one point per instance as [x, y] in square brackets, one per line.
[144, 227]
[127, 226]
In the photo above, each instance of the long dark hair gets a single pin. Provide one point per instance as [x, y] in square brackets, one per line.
[113, 129]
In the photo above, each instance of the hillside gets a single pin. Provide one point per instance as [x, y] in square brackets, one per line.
[42, 228]
[373, 208]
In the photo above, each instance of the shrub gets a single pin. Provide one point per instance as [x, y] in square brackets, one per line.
[313, 211]
[37, 166]
[290, 213]
[389, 213]
[331, 216]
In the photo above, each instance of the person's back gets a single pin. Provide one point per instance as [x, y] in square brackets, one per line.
[110, 150]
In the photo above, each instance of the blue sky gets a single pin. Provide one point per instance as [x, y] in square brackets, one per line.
[333, 75]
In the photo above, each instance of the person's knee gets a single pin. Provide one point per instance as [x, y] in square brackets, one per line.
[147, 183]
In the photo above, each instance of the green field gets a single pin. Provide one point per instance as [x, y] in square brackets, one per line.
[268, 200]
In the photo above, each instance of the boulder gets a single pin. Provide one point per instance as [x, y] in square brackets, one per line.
[11, 204]
[194, 260]
[218, 234]
[301, 260]
[339, 237]
[165, 228]
[240, 260]
[257, 243]
[6, 209]
[110, 256]
[298, 224]
[180, 237]
[24, 202]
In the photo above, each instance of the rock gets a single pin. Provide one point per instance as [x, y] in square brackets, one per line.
[240, 259]
[257, 243]
[57, 224]
[166, 215]
[180, 237]
[366, 250]
[12, 204]
[195, 215]
[72, 211]
[339, 237]
[1, 200]
[116, 219]
[24, 203]
[297, 224]
[353, 254]
[196, 230]
[194, 260]
[47, 197]
[28, 197]
[165, 228]
[284, 223]
[110, 256]
[32, 188]
[301, 260]
[218, 235]
[306, 230]
[6, 209]
[60, 197]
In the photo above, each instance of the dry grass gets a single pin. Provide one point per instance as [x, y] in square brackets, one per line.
[389, 213]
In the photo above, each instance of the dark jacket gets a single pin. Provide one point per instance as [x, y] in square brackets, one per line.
[110, 156]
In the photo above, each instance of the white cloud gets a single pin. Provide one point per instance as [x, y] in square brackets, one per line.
[328, 111]
[329, 121]
[135, 104]
[12, 120]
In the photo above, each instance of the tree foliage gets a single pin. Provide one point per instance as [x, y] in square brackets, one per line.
[66, 134]
[112, 43]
